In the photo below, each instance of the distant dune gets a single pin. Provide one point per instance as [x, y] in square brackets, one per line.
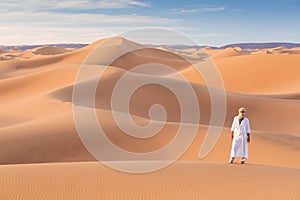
[260, 45]
[37, 126]
[257, 45]
[25, 47]
[49, 50]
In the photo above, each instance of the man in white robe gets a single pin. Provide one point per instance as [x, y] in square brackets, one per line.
[240, 135]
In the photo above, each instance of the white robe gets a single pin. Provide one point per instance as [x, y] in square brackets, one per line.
[239, 143]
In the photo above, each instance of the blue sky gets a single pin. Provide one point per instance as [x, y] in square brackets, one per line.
[208, 22]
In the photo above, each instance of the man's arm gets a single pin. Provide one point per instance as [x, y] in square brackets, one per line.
[232, 128]
[248, 132]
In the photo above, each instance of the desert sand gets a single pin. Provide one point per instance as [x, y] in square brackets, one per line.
[42, 156]
[183, 180]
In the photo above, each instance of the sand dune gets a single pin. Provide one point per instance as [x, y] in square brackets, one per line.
[58, 142]
[260, 73]
[49, 50]
[2, 51]
[229, 52]
[183, 180]
[15, 54]
[36, 122]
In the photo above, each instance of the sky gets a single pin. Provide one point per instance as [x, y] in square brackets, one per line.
[208, 22]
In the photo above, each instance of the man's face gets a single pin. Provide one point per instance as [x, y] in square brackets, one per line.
[242, 113]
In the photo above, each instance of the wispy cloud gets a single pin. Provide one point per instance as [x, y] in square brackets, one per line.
[93, 19]
[138, 3]
[32, 27]
[57, 21]
[198, 10]
[42, 5]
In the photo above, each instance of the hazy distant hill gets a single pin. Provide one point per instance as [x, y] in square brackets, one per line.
[241, 45]
[262, 45]
[24, 47]
[179, 46]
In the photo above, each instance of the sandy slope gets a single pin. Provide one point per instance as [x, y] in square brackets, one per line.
[182, 180]
[36, 123]
[261, 73]
[59, 142]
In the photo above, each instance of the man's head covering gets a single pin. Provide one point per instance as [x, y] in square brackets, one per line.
[242, 109]
[242, 112]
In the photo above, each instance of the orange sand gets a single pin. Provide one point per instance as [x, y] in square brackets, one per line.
[36, 126]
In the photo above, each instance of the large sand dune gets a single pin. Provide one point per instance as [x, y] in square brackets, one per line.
[36, 124]
[183, 180]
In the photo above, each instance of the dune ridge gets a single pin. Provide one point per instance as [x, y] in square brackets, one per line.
[36, 123]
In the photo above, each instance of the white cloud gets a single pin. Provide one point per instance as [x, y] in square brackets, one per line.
[138, 3]
[42, 5]
[56, 19]
[35, 35]
[30, 27]
[198, 10]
